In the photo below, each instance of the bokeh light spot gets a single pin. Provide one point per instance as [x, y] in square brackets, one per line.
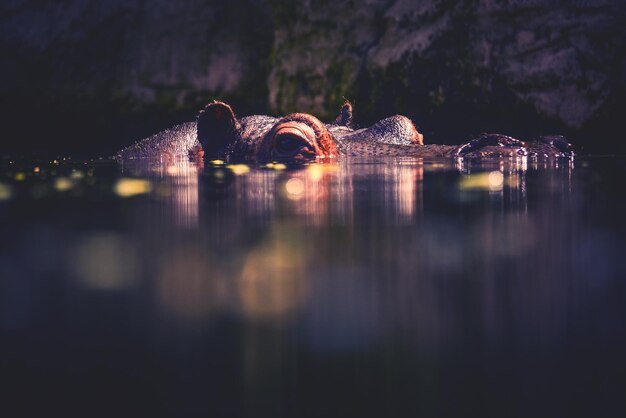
[63, 184]
[126, 187]
[294, 188]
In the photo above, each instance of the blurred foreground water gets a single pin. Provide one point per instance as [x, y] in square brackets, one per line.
[394, 287]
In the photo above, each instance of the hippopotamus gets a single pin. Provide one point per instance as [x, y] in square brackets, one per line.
[218, 133]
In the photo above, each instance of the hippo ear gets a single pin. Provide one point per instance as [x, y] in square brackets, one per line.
[216, 127]
[345, 115]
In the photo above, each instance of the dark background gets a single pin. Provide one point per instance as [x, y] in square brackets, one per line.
[85, 78]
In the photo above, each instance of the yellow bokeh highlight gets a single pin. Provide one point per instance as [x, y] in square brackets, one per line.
[77, 174]
[493, 180]
[5, 192]
[127, 187]
[272, 284]
[238, 169]
[63, 184]
[294, 188]
[276, 166]
[317, 171]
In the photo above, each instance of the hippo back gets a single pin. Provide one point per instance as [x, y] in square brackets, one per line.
[174, 142]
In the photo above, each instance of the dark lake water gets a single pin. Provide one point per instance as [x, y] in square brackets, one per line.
[382, 288]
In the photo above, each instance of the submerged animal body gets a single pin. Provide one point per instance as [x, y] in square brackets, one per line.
[218, 133]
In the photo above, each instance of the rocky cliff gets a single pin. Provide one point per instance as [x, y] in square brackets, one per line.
[514, 65]
[455, 67]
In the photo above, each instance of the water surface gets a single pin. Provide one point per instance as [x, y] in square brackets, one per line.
[389, 287]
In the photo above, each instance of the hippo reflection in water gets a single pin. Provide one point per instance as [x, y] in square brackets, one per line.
[218, 133]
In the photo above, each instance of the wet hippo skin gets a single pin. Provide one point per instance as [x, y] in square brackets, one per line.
[218, 133]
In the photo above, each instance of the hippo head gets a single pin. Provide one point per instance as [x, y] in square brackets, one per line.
[298, 136]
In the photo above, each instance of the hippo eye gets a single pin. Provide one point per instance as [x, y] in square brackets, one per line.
[289, 143]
